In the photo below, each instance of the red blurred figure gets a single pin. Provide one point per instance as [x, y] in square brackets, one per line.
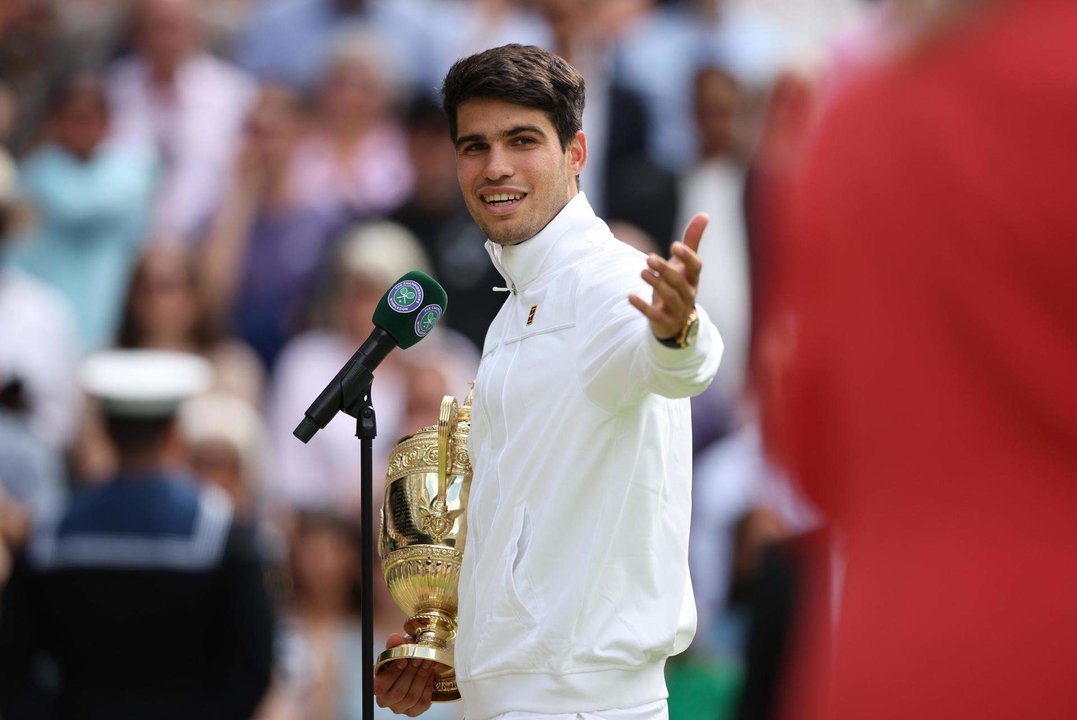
[931, 393]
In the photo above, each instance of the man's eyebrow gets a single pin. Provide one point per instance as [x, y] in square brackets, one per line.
[511, 132]
[520, 129]
[464, 139]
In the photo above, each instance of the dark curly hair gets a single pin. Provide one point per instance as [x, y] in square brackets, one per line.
[523, 75]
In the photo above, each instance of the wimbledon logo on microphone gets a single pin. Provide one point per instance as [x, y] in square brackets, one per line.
[427, 319]
[405, 296]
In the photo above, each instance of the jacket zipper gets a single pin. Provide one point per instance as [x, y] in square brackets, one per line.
[505, 274]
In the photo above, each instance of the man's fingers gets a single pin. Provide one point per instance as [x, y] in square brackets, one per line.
[672, 276]
[424, 702]
[663, 323]
[395, 693]
[672, 299]
[385, 677]
[694, 232]
[425, 699]
[414, 692]
[690, 261]
[644, 307]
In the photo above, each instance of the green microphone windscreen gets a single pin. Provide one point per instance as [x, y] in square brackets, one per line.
[411, 308]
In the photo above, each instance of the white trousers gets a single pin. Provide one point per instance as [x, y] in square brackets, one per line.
[651, 711]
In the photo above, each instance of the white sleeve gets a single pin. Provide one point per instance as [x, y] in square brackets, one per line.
[619, 358]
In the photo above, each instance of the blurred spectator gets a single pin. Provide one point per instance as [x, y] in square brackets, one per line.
[325, 473]
[226, 445]
[146, 594]
[741, 501]
[90, 200]
[38, 344]
[714, 184]
[15, 527]
[659, 46]
[185, 105]
[9, 108]
[225, 21]
[324, 666]
[264, 249]
[932, 404]
[32, 60]
[313, 31]
[353, 162]
[166, 309]
[432, 373]
[458, 28]
[91, 32]
[623, 182]
[31, 473]
[436, 213]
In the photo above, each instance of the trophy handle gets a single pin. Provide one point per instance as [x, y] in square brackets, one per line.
[446, 425]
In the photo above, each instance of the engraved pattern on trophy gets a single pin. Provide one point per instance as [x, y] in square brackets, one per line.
[421, 543]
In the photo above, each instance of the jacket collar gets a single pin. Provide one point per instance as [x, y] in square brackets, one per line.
[522, 263]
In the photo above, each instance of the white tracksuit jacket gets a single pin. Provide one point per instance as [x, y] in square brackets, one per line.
[574, 588]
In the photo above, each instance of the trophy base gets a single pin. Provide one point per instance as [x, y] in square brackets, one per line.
[445, 689]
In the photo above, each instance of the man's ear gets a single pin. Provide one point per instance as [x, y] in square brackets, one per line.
[577, 153]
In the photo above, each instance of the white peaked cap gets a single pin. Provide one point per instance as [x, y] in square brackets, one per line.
[143, 383]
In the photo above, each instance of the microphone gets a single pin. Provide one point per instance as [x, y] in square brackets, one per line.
[406, 313]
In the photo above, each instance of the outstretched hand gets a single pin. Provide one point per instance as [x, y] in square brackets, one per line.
[674, 283]
[405, 686]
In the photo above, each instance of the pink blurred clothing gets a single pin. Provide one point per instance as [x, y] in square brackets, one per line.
[374, 179]
[194, 127]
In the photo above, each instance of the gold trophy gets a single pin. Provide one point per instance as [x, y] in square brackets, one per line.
[421, 543]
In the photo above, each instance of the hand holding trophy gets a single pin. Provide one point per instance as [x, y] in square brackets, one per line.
[421, 543]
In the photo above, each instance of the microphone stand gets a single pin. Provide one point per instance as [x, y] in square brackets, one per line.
[350, 391]
[366, 429]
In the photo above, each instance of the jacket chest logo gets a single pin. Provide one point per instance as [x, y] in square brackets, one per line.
[531, 314]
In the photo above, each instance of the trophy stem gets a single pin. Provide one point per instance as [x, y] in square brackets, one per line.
[431, 628]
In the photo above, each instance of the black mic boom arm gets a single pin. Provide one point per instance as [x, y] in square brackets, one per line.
[345, 391]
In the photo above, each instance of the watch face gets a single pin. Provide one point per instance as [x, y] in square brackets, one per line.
[693, 331]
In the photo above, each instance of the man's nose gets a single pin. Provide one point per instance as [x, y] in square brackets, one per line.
[498, 164]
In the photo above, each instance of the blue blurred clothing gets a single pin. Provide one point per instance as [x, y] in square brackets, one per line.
[150, 600]
[33, 472]
[92, 217]
[286, 252]
[311, 30]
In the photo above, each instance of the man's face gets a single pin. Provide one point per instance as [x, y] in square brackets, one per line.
[514, 175]
[81, 124]
[167, 31]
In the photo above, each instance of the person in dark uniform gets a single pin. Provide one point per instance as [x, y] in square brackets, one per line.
[145, 598]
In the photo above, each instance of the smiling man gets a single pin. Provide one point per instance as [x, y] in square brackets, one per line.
[574, 588]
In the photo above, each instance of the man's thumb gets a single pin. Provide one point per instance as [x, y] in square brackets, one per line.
[395, 639]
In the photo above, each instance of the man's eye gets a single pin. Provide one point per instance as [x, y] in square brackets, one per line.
[474, 147]
[524, 141]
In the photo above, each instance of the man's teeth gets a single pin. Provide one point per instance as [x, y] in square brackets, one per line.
[502, 197]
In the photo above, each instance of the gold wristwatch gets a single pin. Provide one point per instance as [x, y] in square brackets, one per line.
[687, 335]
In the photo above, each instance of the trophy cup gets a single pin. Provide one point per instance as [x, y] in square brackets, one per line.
[421, 542]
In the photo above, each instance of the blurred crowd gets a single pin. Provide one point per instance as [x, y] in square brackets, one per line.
[243, 179]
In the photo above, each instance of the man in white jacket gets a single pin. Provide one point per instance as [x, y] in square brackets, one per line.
[574, 588]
